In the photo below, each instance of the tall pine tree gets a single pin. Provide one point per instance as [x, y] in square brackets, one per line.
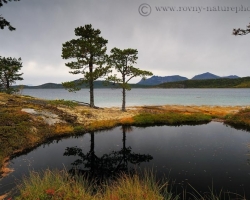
[88, 53]
[123, 61]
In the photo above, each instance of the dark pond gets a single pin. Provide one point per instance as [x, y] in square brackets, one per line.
[204, 156]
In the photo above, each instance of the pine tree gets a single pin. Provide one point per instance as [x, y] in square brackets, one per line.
[3, 21]
[9, 68]
[88, 53]
[241, 31]
[123, 61]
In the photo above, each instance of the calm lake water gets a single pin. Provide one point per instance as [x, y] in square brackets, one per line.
[205, 156]
[113, 97]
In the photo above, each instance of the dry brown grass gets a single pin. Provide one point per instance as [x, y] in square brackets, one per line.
[63, 128]
[127, 121]
[86, 115]
[220, 111]
[101, 124]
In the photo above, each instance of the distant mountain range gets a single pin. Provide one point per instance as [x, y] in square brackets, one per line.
[97, 84]
[156, 80]
[208, 75]
[209, 83]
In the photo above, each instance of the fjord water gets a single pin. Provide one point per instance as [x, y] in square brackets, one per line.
[138, 97]
[205, 156]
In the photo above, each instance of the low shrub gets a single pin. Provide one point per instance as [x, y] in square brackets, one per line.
[63, 102]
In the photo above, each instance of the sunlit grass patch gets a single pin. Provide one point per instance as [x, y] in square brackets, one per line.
[127, 121]
[170, 118]
[63, 128]
[101, 124]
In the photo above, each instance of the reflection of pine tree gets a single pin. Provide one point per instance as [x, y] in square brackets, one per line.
[107, 165]
[248, 160]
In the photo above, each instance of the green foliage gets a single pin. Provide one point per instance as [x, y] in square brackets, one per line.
[123, 61]
[170, 118]
[9, 68]
[3, 21]
[209, 83]
[63, 102]
[79, 129]
[88, 55]
[241, 31]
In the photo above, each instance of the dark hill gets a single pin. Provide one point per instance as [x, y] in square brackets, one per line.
[204, 76]
[210, 83]
[97, 84]
[155, 80]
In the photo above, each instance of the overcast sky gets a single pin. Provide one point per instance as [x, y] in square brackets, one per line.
[193, 39]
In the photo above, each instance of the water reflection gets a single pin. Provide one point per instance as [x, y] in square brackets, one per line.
[205, 156]
[107, 165]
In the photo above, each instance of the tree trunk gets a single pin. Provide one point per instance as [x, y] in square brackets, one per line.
[6, 82]
[91, 84]
[123, 95]
[92, 153]
[124, 148]
[91, 90]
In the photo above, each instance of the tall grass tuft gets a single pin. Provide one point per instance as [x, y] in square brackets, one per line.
[60, 185]
[135, 187]
[55, 185]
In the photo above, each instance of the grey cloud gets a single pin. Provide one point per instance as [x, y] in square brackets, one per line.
[185, 43]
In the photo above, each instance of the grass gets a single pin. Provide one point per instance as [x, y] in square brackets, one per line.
[147, 119]
[62, 102]
[101, 125]
[240, 120]
[52, 185]
[55, 185]
[171, 118]
[136, 187]
[17, 133]
[58, 185]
